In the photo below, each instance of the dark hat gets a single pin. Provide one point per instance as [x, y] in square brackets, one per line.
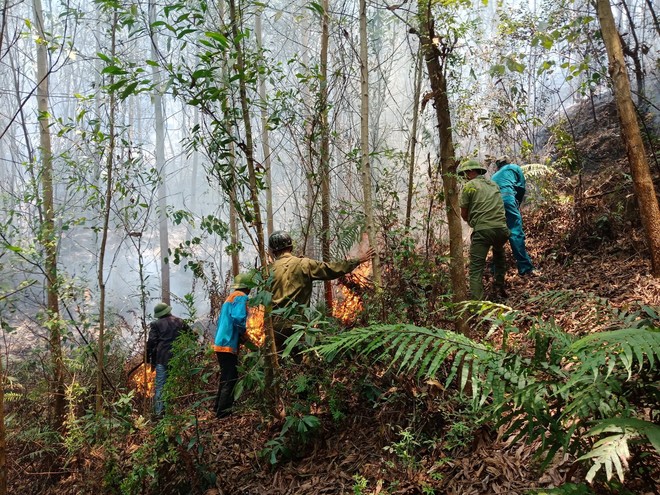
[280, 240]
[502, 160]
[162, 309]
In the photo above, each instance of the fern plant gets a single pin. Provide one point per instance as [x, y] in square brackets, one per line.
[564, 393]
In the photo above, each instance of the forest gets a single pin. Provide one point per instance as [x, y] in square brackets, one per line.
[155, 157]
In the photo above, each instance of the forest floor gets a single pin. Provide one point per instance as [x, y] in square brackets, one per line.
[592, 245]
[613, 269]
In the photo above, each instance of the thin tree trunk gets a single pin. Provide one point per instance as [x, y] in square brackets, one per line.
[364, 141]
[109, 165]
[233, 219]
[233, 214]
[435, 68]
[632, 138]
[160, 164]
[324, 158]
[265, 138]
[194, 172]
[48, 235]
[634, 53]
[3, 435]
[271, 356]
[413, 135]
[654, 16]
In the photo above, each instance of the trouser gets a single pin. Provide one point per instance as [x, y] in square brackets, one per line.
[517, 237]
[161, 378]
[481, 242]
[283, 329]
[224, 400]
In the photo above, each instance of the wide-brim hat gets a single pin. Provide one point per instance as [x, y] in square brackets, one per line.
[162, 309]
[471, 165]
[502, 160]
[242, 281]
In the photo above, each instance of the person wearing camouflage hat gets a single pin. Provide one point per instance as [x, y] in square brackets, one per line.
[511, 181]
[482, 208]
[163, 331]
[292, 279]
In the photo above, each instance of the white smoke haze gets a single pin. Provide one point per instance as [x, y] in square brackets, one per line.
[79, 126]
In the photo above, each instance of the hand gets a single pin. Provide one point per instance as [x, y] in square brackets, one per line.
[367, 256]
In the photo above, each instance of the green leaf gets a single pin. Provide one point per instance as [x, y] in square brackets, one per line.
[219, 37]
[104, 57]
[316, 8]
[129, 90]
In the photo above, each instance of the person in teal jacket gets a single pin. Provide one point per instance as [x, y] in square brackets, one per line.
[511, 181]
[231, 329]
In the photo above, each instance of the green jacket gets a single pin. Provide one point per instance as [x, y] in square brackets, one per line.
[484, 204]
[293, 277]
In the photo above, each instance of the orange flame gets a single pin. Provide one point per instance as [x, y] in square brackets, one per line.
[348, 305]
[254, 327]
[143, 380]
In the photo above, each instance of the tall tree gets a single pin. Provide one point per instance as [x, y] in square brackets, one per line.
[109, 168]
[412, 140]
[364, 140]
[48, 235]
[3, 435]
[265, 137]
[159, 124]
[436, 50]
[248, 149]
[324, 155]
[632, 138]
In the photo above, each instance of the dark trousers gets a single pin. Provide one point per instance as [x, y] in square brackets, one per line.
[228, 376]
[482, 241]
[283, 329]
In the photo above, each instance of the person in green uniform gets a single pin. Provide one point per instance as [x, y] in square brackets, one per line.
[292, 278]
[482, 208]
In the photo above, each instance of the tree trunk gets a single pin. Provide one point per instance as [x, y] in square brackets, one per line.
[434, 64]
[109, 165]
[639, 167]
[160, 164]
[265, 138]
[233, 218]
[324, 158]
[231, 186]
[48, 235]
[413, 135]
[364, 140]
[248, 149]
[634, 52]
[3, 435]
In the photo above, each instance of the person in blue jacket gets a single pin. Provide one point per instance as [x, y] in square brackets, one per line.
[231, 329]
[511, 181]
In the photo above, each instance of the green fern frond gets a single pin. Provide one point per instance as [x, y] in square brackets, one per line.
[538, 170]
[627, 347]
[347, 237]
[409, 348]
[586, 397]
